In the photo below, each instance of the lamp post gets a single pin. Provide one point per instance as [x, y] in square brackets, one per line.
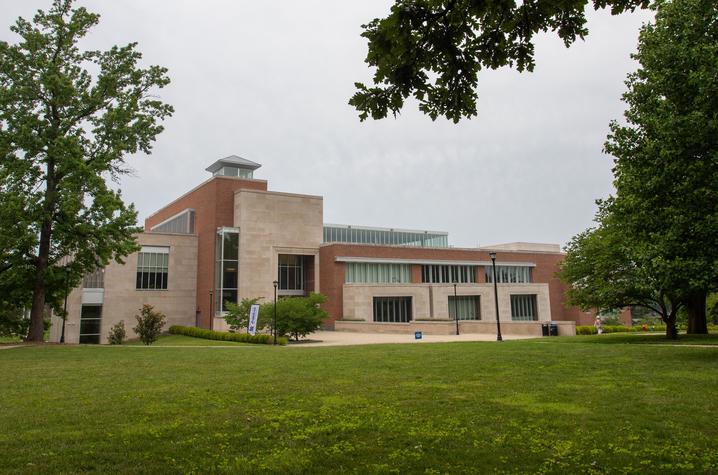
[456, 310]
[492, 255]
[274, 325]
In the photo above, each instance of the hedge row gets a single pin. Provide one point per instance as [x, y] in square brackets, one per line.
[225, 336]
[591, 330]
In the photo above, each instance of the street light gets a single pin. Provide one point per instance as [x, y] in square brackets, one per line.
[274, 325]
[456, 310]
[492, 255]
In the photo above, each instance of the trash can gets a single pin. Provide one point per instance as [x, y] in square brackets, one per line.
[544, 329]
[554, 329]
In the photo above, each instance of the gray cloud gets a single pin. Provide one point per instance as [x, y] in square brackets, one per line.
[270, 82]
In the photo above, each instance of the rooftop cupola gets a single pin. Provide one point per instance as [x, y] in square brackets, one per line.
[233, 166]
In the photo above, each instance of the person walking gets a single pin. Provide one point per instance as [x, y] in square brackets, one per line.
[599, 325]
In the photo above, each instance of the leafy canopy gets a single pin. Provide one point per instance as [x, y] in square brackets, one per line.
[68, 119]
[657, 238]
[433, 50]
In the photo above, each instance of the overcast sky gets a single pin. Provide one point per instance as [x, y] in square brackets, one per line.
[270, 81]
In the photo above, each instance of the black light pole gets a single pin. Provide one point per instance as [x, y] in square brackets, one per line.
[211, 304]
[274, 326]
[456, 310]
[492, 255]
[64, 307]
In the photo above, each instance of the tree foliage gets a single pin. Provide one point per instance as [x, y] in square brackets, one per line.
[296, 316]
[660, 230]
[68, 118]
[433, 50]
[237, 316]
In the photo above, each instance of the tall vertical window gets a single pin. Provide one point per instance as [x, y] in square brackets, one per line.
[226, 268]
[444, 274]
[90, 323]
[509, 274]
[152, 267]
[369, 272]
[468, 307]
[523, 308]
[392, 309]
[290, 274]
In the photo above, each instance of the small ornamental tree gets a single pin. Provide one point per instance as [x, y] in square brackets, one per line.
[117, 333]
[296, 316]
[238, 315]
[149, 324]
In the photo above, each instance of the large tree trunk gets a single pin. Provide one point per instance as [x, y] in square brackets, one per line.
[37, 314]
[671, 330]
[696, 307]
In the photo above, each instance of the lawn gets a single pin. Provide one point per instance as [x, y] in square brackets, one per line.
[182, 340]
[513, 407]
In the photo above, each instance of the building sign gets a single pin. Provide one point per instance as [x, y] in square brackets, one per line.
[417, 335]
[253, 314]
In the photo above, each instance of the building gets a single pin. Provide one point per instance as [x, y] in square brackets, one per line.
[230, 238]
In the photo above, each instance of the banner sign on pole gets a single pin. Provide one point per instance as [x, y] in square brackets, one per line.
[253, 314]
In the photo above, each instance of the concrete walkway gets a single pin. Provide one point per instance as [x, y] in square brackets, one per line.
[328, 338]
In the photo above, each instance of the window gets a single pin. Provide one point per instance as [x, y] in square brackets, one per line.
[509, 274]
[339, 233]
[366, 272]
[94, 280]
[152, 264]
[226, 268]
[440, 274]
[392, 309]
[468, 307]
[523, 308]
[90, 323]
[182, 222]
[291, 274]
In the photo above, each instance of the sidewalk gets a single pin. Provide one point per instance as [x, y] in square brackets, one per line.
[333, 338]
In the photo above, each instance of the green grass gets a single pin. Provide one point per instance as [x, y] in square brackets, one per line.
[644, 338]
[515, 407]
[182, 340]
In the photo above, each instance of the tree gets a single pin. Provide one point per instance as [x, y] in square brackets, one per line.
[603, 272]
[296, 317]
[666, 152]
[434, 50]
[657, 238]
[149, 324]
[238, 315]
[68, 118]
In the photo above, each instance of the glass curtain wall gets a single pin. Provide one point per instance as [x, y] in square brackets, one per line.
[468, 306]
[367, 272]
[509, 274]
[387, 237]
[227, 268]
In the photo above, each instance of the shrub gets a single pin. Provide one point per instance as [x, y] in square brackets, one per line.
[585, 330]
[117, 333]
[195, 332]
[238, 315]
[149, 324]
[297, 317]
